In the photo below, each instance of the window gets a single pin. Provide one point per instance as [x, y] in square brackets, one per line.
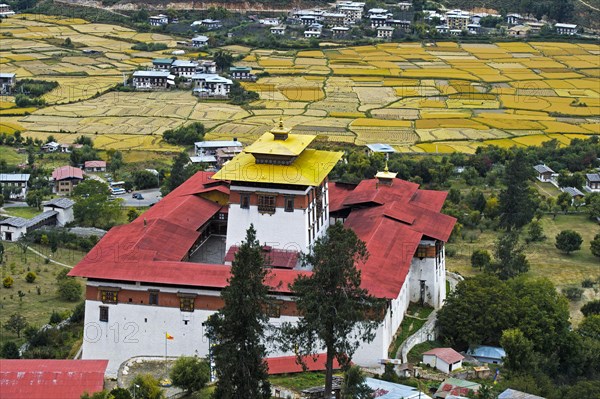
[421, 252]
[186, 302]
[104, 313]
[245, 201]
[273, 309]
[266, 203]
[289, 203]
[109, 295]
[153, 298]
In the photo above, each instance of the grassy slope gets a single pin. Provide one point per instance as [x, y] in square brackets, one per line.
[36, 308]
[23, 212]
[11, 156]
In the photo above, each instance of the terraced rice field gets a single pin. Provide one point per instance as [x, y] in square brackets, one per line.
[442, 98]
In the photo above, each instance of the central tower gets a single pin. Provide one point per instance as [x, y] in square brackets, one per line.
[280, 186]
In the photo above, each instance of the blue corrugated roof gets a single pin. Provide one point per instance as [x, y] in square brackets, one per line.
[491, 352]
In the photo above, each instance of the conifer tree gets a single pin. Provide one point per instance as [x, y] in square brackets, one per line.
[337, 314]
[239, 328]
[517, 206]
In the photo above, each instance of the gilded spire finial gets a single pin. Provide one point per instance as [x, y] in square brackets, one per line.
[281, 122]
[386, 169]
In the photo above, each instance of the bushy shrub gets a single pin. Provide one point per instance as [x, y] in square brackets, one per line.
[8, 282]
[30, 277]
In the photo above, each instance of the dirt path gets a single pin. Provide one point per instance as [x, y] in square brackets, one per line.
[51, 260]
[588, 5]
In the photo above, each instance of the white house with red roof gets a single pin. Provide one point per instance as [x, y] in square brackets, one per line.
[94, 166]
[444, 359]
[163, 272]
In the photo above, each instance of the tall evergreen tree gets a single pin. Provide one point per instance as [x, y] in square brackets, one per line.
[177, 176]
[239, 328]
[517, 205]
[337, 314]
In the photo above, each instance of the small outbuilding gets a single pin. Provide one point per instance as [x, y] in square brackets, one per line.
[544, 173]
[514, 394]
[488, 354]
[444, 359]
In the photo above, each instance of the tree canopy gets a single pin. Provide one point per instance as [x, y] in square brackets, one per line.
[92, 207]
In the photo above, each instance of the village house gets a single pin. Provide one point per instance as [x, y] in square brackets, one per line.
[385, 32]
[378, 20]
[216, 152]
[276, 181]
[158, 20]
[63, 208]
[376, 11]
[50, 378]
[592, 182]
[544, 173]
[149, 80]
[5, 11]
[445, 360]
[13, 228]
[514, 19]
[162, 64]
[458, 19]
[566, 29]
[278, 30]
[442, 28]
[67, 148]
[200, 41]
[7, 82]
[212, 85]
[94, 166]
[206, 66]
[404, 26]
[488, 354]
[519, 31]
[270, 21]
[65, 179]
[184, 68]
[15, 183]
[242, 73]
[334, 18]
[52, 146]
[474, 29]
[404, 6]
[536, 27]
[353, 10]
[211, 24]
[574, 192]
[339, 31]
[313, 30]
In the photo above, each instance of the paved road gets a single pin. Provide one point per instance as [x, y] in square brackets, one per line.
[151, 197]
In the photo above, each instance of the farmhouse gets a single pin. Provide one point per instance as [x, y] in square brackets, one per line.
[63, 208]
[184, 68]
[162, 64]
[148, 80]
[574, 192]
[52, 146]
[94, 166]
[566, 29]
[334, 18]
[200, 41]
[514, 19]
[211, 23]
[206, 66]
[444, 359]
[65, 179]
[210, 84]
[13, 228]
[5, 11]
[544, 173]
[278, 30]
[211, 147]
[400, 24]
[458, 19]
[51, 379]
[15, 183]
[385, 32]
[378, 20]
[592, 182]
[7, 82]
[242, 73]
[519, 31]
[158, 20]
[339, 31]
[132, 277]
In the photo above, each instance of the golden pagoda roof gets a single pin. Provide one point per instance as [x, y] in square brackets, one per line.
[309, 169]
[386, 174]
[291, 146]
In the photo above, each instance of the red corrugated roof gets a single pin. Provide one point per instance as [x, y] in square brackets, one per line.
[289, 364]
[94, 164]
[430, 199]
[371, 191]
[66, 172]
[448, 355]
[50, 379]
[274, 257]
[188, 211]
[337, 195]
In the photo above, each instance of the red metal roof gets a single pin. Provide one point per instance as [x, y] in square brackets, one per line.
[337, 195]
[50, 379]
[278, 258]
[448, 355]
[94, 164]
[67, 172]
[371, 191]
[289, 364]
